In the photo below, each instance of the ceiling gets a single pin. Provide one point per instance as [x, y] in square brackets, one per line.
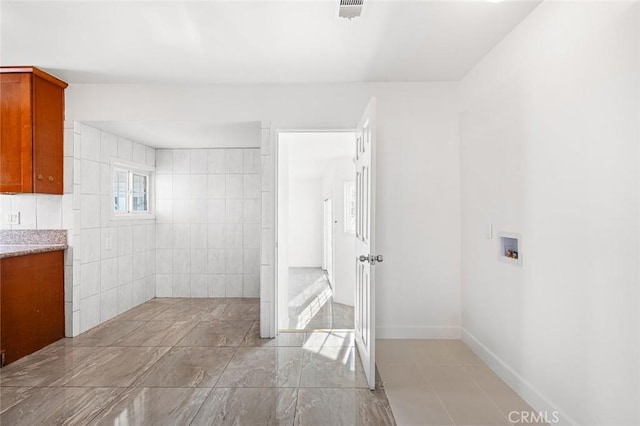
[311, 155]
[248, 42]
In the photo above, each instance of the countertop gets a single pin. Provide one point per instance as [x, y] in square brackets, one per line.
[21, 250]
[22, 242]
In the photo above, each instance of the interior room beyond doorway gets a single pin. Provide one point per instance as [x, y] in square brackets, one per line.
[316, 241]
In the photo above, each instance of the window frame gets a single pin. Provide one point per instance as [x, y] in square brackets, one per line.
[133, 169]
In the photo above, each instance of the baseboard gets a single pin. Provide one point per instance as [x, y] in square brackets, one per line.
[519, 384]
[421, 332]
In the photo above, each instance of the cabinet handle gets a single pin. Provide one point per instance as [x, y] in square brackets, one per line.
[50, 178]
[39, 177]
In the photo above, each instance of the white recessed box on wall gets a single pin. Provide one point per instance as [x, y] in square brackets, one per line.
[510, 248]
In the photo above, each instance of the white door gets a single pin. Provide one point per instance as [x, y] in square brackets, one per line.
[365, 301]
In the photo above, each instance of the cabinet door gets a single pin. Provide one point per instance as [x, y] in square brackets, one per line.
[32, 298]
[48, 137]
[16, 149]
[20, 307]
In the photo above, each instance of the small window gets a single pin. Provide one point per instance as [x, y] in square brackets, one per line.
[131, 190]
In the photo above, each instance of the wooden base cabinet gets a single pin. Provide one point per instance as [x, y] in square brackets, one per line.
[31, 303]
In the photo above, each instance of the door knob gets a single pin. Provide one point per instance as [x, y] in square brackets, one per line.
[39, 177]
[371, 258]
[50, 178]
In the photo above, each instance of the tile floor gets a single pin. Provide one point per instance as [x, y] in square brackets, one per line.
[192, 361]
[311, 304]
[442, 382]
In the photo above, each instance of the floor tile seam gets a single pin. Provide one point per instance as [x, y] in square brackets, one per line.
[431, 387]
[131, 331]
[204, 400]
[228, 362]
[195, 324]
[82, 365]
[139, 375]
[495, 404]
[92, 387]
[444, 407]
[295, 409]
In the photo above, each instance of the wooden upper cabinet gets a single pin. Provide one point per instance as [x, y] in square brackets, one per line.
[31, 131]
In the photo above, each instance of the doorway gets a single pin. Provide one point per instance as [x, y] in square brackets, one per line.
[327, 243]
[316, 248]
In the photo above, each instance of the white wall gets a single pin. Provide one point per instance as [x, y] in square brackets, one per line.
[208, 222]
[344, 244]
[283, 231]
[549, 131]
[418, 229]
[305, 223]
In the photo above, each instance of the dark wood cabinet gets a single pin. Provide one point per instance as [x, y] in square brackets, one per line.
[31, 303]
[32, 131]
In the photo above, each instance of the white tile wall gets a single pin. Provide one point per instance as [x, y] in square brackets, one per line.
[208, 222]
[267, 252]
[115, 258]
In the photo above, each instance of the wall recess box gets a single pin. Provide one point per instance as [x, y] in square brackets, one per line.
[510, 248]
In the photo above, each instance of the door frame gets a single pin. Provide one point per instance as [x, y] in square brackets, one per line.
[327, 238]
[269, 307]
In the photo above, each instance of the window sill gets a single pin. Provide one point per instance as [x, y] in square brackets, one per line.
[136, 216]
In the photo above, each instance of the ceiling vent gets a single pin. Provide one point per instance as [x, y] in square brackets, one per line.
[350, 8]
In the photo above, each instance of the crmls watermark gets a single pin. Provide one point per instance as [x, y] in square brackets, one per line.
[529, 417]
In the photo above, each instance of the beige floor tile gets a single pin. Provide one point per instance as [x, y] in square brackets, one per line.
[187, 367]
[389, 351]
[432, 352]
[472, 407]
[348, 407]
[157, 333]
[263, 367]
[52, 406]
[153, 407]
[402, 374]
[248, 406]
[48, 365]
[499, 392]
[217, 333]
[448, 378]
[416, 404]
[113, 367]
[461, 352]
